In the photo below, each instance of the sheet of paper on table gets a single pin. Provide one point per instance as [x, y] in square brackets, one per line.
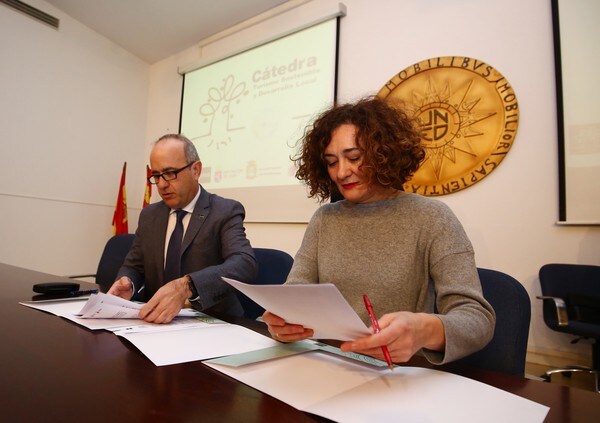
[347, 391]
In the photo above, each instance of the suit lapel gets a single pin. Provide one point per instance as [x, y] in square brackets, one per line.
[161, 221]
[197, 219]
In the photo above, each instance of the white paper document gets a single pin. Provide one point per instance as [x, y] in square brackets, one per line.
[347, 391]
[191, 336]
[199, 343]
[58, 308]
[102, 310]
[104, 306]
[320, 307]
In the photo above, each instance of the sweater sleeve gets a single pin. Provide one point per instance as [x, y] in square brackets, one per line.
[467, 317]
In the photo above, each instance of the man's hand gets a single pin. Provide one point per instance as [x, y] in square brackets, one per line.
[122, 288]
[167, 302]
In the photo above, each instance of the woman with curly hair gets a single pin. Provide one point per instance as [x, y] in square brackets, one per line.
[407, 252]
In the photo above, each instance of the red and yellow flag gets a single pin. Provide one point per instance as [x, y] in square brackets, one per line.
[120, 216]
[148, 192]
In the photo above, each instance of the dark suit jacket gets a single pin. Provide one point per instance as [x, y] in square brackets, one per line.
[214, 245]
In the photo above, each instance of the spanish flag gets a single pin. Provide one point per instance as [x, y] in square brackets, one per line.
[120, 216]
[148, 192]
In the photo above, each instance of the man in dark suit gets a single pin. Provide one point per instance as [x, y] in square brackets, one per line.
[213, 244]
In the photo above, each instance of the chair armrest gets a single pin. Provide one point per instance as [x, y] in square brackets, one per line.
[561, 309]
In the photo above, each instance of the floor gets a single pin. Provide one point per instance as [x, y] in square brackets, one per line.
[577, 380]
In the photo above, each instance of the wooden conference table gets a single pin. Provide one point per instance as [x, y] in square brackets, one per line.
[52, 370]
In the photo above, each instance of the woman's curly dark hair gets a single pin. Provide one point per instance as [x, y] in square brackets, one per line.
[391, 145]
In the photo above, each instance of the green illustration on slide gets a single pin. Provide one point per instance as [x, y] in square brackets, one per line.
[218, 112]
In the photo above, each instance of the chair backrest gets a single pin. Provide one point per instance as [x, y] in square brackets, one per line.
[576, 284]
[507, 350]
[562, 280]
[273, 269]
[112, 258]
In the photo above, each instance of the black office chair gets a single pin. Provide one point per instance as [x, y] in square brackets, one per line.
[507, 350]
[571, 295]
[273, 269]
[111, 260]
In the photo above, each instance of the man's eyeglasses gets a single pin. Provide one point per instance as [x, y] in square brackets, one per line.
[168, 175]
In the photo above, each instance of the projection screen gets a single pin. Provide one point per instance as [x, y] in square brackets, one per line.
[577, 55]
[245, 114]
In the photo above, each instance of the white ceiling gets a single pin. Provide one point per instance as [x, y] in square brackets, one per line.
[156, 29]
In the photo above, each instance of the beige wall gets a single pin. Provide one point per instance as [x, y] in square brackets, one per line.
[72, 110]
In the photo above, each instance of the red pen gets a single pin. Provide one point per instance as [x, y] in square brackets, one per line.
[386, 353]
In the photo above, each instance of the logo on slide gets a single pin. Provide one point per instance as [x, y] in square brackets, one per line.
[218, 117]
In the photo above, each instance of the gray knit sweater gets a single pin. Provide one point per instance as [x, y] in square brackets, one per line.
[406, 254]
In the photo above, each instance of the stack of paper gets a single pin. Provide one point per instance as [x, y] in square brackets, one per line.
[191, 336]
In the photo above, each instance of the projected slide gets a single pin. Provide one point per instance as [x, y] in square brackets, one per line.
[246, 113]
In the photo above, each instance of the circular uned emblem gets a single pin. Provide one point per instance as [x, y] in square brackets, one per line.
[467, 114]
